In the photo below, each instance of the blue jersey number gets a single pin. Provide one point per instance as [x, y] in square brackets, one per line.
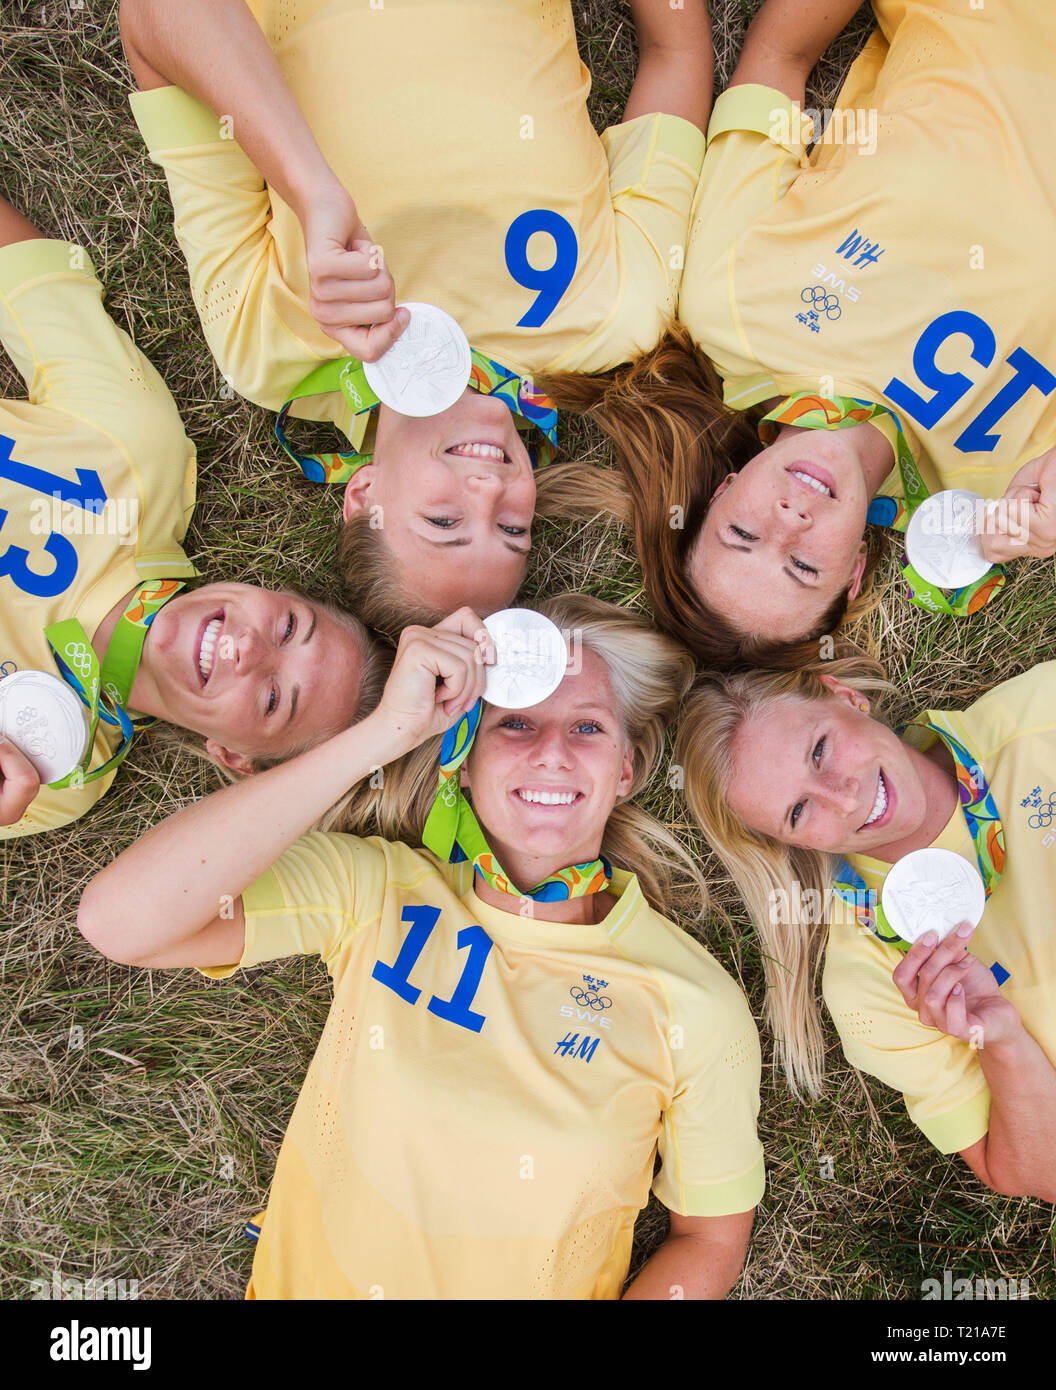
[551, 283]
[947, 388]
[395, 976]
[87, 492]
[13, 566]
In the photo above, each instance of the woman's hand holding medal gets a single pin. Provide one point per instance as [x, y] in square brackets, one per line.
[353, 298]
[953, 991]
[19, 783]
[438, 675]
[1023, 522]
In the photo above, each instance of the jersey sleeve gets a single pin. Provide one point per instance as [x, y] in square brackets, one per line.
[940, 1078]
[712, 1160]
[654, 164]
[755, 151]
[253, 309]
[74, 359]
[311, 901]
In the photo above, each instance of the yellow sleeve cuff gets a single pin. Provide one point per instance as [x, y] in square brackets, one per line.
[761, 110]
[24, 261]
[716, 1198]
[957, 1129]
[673, 136]
[261, 896]
[170, 118]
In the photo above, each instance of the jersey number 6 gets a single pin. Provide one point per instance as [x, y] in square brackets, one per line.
[551, 283]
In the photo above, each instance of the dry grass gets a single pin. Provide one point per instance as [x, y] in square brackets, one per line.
[141, 1153]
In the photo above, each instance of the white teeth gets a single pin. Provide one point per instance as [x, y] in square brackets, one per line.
[548, 798]
[207, 652]
[812, 482]
[880, 804]
[480, 451]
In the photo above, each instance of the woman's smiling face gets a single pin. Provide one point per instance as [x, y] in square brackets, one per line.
[783, 537]
[544, 780]
[823, 775]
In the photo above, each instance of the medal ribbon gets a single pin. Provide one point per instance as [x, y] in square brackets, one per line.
[453, 832]
[79, 667]
[810, 411]
[980, 814]
[345, 374]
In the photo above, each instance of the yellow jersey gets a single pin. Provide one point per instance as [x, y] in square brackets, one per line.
[461, 131]
[490, 1092]
[97, 477]
[1011, 733]
[905, 261]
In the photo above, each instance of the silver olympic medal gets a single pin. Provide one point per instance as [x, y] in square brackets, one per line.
[42, 716]
[531, 658]
[427, 368]
[942, 539]
[932, 890]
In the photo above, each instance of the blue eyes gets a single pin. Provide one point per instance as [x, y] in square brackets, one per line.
[589, 726]
[747, 536]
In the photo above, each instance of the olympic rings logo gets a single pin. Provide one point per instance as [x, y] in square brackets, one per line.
[1044, 816]
[79, 658]
[449, 793]
[821, 302]
[587, 1000]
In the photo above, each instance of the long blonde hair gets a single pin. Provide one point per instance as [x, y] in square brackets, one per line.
[770, 876]
[650, 676]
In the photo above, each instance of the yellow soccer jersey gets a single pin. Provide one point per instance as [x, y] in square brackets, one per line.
[101, 430]
[483, 1112]
[1011, 732]
[461, 131]
[907, 264]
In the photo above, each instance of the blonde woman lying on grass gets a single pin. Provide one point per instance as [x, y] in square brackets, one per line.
[809, 799]
[484, 1031]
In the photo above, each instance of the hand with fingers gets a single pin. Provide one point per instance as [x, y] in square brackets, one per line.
[953, 991]
[19, 783]
[353, 298]
[437, 676]
[1023, 522]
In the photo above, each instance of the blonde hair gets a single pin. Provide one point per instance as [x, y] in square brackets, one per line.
[770, 876]
[377, 663]
[650, 676]
[369, 580]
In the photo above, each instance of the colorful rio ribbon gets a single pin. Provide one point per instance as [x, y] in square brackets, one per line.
[453, 832]
[810, 411]
[345, 374]
[106, 690]
[983, 821]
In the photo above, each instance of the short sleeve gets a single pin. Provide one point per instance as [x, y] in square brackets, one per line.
[940, 1078]
[755, 151]
[72, 356]
[654, 164]
[712, 1160]
[311, 901]
[253, 308]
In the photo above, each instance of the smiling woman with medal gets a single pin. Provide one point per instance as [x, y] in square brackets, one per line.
[876, 303]
[101, 628]
[514, 1037]
[923, 864]
[459, 134]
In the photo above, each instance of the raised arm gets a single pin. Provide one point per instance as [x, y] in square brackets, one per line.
[952, 990]
[676, 62]
[193, 868]
[215, 50]
[786, 38]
